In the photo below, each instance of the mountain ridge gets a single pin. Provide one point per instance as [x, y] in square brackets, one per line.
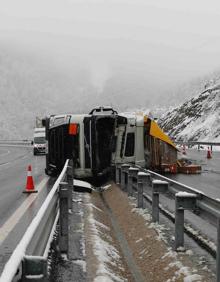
[196, 119]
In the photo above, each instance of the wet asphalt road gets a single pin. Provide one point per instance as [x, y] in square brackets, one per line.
[13, 174]
[16, 209]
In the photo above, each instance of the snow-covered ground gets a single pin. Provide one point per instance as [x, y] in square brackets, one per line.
[196, 119]
[188, 274]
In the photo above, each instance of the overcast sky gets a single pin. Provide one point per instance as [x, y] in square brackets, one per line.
[169, 41]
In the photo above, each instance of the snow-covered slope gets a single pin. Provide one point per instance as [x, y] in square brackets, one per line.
[198, 118]
[32, 86]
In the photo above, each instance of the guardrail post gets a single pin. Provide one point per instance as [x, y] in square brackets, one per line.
[69, 175]
[34, 266]
[112, 173]
[142, 180]
[117, 174]
[158, 186]
[218, 252]
[179, 227]
[126, 168]
[122, 179]
[147, 181]
[124, 172]
[71, 164]
[132, 172]
[63, 238]
[184, 201]
[140, 190]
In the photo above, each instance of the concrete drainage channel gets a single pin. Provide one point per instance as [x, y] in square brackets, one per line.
[72, 266]
[136, 273]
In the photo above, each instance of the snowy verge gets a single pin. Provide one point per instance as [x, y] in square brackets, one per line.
[188, 273]
[106, 254]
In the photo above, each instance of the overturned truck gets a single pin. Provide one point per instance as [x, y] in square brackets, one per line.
[103, 138]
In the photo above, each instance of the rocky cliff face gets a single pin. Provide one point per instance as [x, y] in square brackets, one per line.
[198, 118]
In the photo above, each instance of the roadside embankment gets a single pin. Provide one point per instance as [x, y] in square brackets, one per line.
[112, 240]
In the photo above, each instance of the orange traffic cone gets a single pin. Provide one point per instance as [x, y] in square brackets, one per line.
[30, 182]
[209, 154]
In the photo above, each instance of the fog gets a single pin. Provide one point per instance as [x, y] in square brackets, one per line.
[135, 51]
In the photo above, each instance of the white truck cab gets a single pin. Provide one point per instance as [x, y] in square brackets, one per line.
[129, 136]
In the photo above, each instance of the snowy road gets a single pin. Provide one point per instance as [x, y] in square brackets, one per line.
[16, 208]
[209, 180]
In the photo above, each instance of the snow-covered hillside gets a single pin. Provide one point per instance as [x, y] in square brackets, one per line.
[31, 87]
[198, 118]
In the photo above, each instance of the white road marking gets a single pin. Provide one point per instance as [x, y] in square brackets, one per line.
[7, 227]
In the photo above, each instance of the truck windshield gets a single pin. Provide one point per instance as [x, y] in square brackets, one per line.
[39, 140]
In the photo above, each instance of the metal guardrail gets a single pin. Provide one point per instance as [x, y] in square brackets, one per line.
[191, 143]
[30, 256]
[186, 198]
